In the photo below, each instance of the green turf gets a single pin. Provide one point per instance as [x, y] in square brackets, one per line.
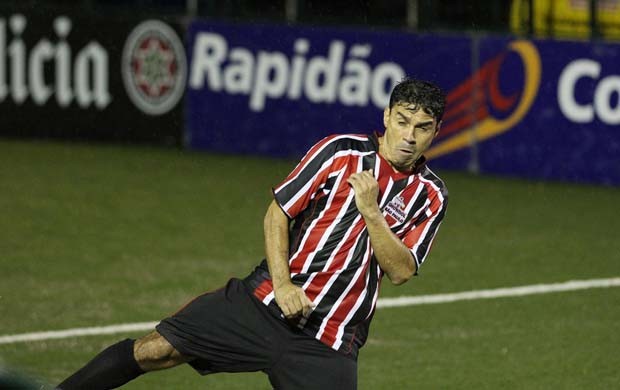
[99, 235]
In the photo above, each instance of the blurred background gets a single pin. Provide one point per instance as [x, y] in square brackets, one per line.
[532, 85]
[139, 141]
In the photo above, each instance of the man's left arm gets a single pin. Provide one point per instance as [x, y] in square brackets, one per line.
[394, 258]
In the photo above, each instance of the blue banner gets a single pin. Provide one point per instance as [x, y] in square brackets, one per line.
[541, 109]
[572, 130]
[536, 109]
[277, 90]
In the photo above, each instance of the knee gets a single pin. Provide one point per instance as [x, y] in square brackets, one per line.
[153, 352]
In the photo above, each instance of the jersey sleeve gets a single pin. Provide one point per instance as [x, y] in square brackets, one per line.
[420, 238]
[296, 192]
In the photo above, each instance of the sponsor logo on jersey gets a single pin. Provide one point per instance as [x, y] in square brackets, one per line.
[154, 67]
[396, 209]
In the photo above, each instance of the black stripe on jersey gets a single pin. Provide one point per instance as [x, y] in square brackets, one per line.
[368, 161]
[364, 310]
[355, 336]
[314, 162]
[334, 239]
[430, 175]
[417, 205]
[303, 221]
[346, 222]
[336, 290]
[423, 247]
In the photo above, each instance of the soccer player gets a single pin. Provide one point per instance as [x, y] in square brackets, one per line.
[356, 208]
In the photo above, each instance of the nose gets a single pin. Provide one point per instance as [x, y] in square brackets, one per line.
[409, 136]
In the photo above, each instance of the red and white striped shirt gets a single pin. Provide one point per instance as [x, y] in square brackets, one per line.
[330, 255]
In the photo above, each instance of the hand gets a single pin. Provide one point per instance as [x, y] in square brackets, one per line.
[293, 301]
[366, 191]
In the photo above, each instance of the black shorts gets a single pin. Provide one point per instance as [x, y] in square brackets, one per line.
[230, 330]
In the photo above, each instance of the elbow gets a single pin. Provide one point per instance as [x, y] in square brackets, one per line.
[401, 277]
[397, 280]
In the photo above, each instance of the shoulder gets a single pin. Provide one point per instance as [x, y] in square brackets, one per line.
[353, 142]
[436, 184]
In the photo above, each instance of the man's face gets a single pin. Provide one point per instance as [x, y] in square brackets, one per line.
[408, 133]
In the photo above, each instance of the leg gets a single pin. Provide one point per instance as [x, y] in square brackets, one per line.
[124, 361]
[227, 330]
[153, 352]
[309, 365]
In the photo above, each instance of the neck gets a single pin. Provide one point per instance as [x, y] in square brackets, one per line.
[388, 158]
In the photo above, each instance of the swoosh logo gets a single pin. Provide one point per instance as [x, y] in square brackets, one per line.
[468, 119]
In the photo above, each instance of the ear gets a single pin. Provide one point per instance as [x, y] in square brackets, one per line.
[437, 129]
[386, 116]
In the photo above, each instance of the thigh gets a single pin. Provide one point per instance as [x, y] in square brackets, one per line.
[153, 352]
[311, 365]
[223, 331]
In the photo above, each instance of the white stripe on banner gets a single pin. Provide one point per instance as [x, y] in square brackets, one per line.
[381, 303]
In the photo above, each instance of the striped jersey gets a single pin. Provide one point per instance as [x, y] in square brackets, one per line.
[330, 255]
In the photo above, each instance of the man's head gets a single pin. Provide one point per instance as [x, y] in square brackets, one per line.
[411, 121]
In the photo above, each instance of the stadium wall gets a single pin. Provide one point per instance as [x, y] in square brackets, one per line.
[84, 76]
[541, 109]
[538, 109]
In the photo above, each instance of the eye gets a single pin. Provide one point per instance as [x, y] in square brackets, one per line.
[401, 123]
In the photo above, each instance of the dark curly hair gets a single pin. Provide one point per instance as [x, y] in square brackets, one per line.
[421, 93]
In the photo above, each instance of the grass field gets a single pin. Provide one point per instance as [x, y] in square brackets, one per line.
[96, 235]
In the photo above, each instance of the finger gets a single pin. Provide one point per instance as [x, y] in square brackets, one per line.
[307, 300]
[368, 175]
[353, 181]
[292, 307]
[285, 311]
[304, 300]
[354, 176]
[304, 303]
[289, 309]
[296, 306]
[363, 176]
[363, 183]
[308, 307]
[293, 304]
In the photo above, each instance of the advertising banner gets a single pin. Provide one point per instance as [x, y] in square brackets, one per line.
[277, 90]
[536, 109]
[541, 109]
[64, 74]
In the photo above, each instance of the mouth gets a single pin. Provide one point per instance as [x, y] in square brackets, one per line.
[406, 151]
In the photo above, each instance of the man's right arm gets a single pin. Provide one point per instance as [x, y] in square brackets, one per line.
[290, 298]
